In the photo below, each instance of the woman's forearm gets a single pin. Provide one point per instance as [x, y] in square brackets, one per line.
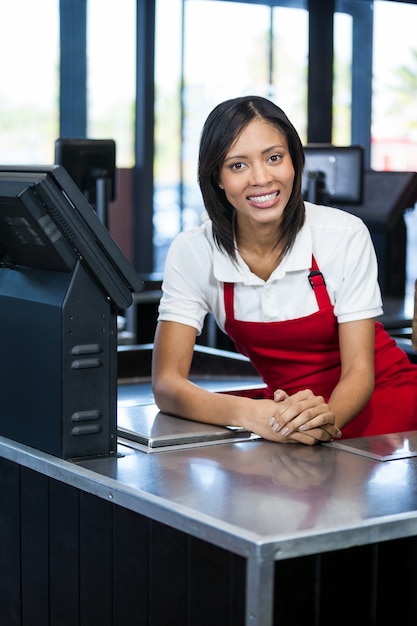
[181, 397]
[357, 380]
[350, 396]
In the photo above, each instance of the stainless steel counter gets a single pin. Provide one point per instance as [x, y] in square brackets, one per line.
[263, 501]
[291, 500]
[283, 521]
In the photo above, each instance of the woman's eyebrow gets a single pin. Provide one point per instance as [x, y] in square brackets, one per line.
[244, 156]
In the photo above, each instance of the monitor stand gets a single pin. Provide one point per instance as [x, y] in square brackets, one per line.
[58, 366]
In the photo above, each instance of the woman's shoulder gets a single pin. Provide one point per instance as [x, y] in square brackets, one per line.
[199, 235]
[320, 216]
[336, 232]
[317, 214]
[193, 246]
[197, 238]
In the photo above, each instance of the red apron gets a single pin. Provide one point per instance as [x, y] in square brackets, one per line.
[304, 354]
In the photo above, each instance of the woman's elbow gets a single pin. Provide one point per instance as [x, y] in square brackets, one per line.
[159, 390]
[165, 392]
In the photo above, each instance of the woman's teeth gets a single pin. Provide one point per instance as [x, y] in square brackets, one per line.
[267, 198]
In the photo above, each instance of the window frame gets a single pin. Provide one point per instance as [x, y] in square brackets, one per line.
[73, 101]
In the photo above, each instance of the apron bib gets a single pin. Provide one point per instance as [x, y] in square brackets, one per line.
[304, 354]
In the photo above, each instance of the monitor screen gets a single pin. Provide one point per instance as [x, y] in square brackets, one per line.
[47, 223]
[340, 169]
[87, 160]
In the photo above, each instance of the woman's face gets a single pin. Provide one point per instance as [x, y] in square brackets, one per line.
[257, 174]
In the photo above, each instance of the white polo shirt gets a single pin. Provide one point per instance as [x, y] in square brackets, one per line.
[340, 242]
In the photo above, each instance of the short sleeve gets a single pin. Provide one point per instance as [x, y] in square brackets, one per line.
[359, 294]
[186, 277]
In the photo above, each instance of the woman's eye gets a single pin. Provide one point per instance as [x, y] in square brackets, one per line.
[275, 157]
[236, 166]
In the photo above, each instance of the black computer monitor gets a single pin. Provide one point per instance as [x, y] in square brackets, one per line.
[46, 222]
[91, 163]
[63, 280]
[333, 174]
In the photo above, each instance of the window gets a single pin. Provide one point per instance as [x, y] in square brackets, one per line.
[29, 81]
[208, 51]
[111, 74]
[394, 124]
[342, 81]
[290, 65]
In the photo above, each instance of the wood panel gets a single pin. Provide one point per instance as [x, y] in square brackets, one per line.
[64, 552]
[96, 560]
[131, 566]
[34, 528]
[10, 598]
[68, 558]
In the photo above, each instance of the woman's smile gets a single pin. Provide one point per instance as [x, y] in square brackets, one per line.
[266, 200]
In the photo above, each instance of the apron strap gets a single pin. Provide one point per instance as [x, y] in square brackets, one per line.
[318, 284]
[229, 304]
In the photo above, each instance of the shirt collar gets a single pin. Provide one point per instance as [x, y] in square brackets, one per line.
[299, 258]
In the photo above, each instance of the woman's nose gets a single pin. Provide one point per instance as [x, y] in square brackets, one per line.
[260, 174]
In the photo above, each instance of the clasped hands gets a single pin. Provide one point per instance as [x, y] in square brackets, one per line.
[301, 418]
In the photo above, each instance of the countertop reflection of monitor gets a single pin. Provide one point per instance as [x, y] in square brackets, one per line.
[341, 169]
[47, 223]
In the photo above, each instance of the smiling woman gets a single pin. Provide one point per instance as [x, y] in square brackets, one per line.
[293, 284]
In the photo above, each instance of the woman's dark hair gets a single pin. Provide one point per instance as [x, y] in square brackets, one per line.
[222, 127]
